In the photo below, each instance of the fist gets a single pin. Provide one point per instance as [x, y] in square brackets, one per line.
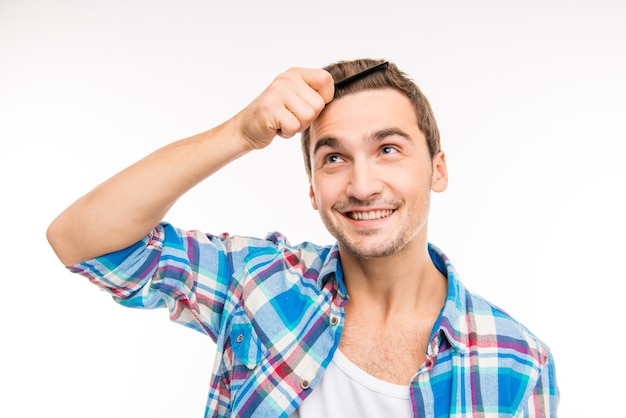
[287, 106]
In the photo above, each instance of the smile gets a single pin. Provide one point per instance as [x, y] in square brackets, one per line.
[369, 215]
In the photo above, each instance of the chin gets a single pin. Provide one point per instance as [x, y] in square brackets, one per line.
[370, 251]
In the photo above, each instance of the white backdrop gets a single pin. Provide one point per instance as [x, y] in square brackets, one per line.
[530, 99]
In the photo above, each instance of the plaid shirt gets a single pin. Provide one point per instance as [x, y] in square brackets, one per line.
[276, 314]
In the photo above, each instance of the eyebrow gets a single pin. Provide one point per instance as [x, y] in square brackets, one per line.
[376, 136]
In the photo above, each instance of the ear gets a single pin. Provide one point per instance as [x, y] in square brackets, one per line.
[439, 181]
[312, 196]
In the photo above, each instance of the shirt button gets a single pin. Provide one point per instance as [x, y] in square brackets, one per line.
[430, 362]
[305, 384]
[334, 320]
[239, 338]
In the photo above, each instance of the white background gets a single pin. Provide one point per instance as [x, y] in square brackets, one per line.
[531, 102]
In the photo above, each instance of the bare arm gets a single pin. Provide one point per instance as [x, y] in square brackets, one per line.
[123, 209]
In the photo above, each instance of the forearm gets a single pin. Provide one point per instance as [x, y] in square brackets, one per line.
[123, 209]
[126, 207]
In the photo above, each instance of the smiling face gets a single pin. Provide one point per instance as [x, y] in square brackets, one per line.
[371, 173]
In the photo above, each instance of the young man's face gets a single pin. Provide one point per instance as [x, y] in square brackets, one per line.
[371, 173]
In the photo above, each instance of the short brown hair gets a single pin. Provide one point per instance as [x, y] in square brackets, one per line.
[389, 77]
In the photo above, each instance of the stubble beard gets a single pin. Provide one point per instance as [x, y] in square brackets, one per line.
[364, 248]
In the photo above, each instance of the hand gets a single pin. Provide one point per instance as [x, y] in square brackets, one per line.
[287, 106]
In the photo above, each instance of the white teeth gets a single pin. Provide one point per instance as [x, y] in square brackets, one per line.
[368, 216]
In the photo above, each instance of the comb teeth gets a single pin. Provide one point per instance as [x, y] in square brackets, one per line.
[361, 74]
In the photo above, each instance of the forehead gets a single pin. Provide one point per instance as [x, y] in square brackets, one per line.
[360, 113]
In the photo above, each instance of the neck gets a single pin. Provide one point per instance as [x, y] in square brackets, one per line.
[404, 283]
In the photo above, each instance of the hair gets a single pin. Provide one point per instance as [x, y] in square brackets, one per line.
[386, 77]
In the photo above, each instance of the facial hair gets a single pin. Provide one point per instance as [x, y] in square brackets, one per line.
[358, 244]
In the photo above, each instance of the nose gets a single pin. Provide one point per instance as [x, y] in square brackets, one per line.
[364, 182]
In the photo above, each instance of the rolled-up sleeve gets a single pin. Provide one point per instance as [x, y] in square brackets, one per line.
[188, 272]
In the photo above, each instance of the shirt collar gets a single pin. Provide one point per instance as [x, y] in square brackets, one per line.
[452, 320]
[331, 271]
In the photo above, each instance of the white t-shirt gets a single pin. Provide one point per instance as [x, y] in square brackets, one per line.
[347, 391]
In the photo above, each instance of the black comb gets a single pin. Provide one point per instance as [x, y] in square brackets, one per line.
[361, 74]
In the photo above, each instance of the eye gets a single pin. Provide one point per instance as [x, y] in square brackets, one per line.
[388, 149]
[332, 159]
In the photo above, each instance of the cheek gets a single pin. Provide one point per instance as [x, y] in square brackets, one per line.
[416, 183]
[324, 193]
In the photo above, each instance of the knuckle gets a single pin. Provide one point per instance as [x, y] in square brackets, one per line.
[319, 104]
[326, 77]
[290, 74]
[310, 113]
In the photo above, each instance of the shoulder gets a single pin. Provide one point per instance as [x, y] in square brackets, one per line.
[239, 248]
[276, 244]
[520, 361]
[506, 350]
[474, 324]
[492, 328]
[498, 356]
[488, 337]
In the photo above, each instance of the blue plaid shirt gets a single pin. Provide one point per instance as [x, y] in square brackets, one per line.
[275, 312]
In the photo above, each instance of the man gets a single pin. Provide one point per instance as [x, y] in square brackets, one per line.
[377, 324]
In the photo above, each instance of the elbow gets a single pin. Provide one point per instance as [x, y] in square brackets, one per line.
[58, 238]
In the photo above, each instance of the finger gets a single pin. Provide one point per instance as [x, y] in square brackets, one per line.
[308, 99]
[305, 105]
[286, 124]
[288, 113]
[321, 81]
[289, 104]
[299, 98]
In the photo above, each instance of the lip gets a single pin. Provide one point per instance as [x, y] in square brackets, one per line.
[369, 215]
